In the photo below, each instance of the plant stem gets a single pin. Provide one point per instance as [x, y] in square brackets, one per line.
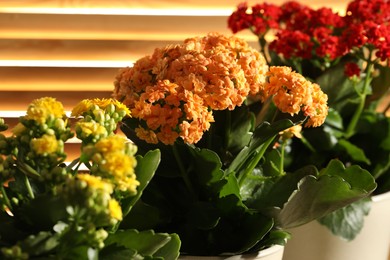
[6, 199]
[183, 171]
[28, 186]
[281, 165]
[362, 95]
[255, 160]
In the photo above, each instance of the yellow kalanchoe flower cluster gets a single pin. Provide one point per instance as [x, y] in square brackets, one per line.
[174, 92]
[100, 117]
[42, 109]
[100, 185]
[114, 159]
[40, 134]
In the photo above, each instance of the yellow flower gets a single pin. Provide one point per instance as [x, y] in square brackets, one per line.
[45, 145]
[118, 164]
[91, 128]
[102, 103]
[291, 132]
[40, 109]
[121, 106]
[115, 209]
[128, 184]
[81, 107]
[96, 182]
[111, 144]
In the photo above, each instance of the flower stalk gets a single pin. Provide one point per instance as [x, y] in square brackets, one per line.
[182, 170]
[362, 100]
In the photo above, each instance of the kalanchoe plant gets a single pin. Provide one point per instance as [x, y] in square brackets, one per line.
[348, 55]
[54, 210]
[222, 184]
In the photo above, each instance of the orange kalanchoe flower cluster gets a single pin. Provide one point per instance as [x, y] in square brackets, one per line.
[174, 91]
[292, 93]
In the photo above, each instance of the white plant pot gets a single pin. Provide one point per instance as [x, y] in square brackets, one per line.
[272, 253]
[314, 241]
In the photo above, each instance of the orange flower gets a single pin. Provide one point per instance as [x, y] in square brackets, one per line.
[292, 93]
[317, 111]
[191, 132]
[147, 135]
[174, 91]
[167, 135]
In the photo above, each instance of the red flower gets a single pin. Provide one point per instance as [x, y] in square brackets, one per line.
[300, 20]
[377, 11]
[289, 9]
[240, 19]
[292, 44]
[326, 17]
[328, 44]
[354, 36]
[351, 69]
[265, 16]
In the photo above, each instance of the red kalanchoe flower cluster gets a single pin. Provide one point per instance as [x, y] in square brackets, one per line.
[295, 44]
[259, 18]
[351, 69]
[322, 36]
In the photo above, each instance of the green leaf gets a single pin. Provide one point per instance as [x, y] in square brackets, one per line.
[274, 192]
[145, 170]
[41, 243]
[248, 231]
[254, 228]
[118, 253]
[171, 250]
[262, 133]
[142, 216]
[340, 89]
[54, 208]
[145, 243]
[203, 215]
[242, 125]
[357, 177]
[273, 160]
[354, 152]
[335, 188]
[347, 222]
[334, 119]
[230, 187]
[207, 166]
[274, 237]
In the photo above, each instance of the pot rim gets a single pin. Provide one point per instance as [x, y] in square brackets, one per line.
[271, 250]
[381, 197]
[262, 253]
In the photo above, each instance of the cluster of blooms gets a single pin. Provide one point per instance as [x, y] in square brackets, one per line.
[322, 36]
[292, 93]
[35, 150]
[99, 118]
[38, 140]
[89, 199]
[111, 156]
[174, 91]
